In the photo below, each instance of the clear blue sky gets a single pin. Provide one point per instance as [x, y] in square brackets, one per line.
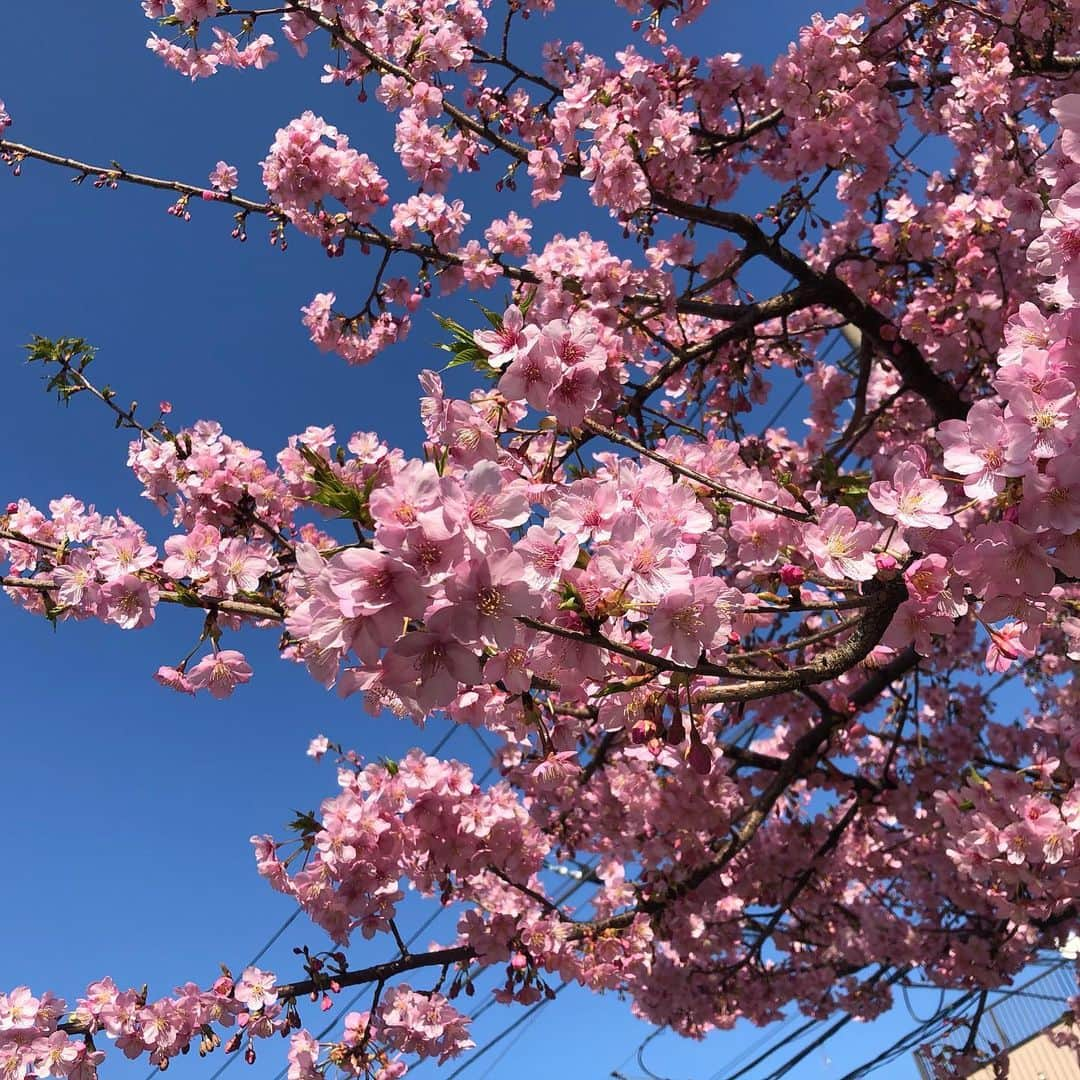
[130, 807]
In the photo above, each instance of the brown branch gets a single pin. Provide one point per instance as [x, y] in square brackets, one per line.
[828, 289]
[460, 954]
[798, 763]
[661, 663]
[801, 882]
[865, 636]
[207, 603]
[722, 490]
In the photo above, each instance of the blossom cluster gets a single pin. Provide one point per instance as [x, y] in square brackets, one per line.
[421, 819]
[749, 677]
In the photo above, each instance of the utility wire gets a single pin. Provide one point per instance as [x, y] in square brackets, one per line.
[491, 1001]
[289, 921]
[491, 1043]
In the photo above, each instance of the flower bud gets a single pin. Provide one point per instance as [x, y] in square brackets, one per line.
[886, 564]
[791, 575]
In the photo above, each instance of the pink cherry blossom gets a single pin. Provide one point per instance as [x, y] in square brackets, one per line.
[220, 672]
[841, 546]
[224, 177]
[511, 340]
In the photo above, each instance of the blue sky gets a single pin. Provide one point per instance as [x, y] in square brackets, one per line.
[131, 807]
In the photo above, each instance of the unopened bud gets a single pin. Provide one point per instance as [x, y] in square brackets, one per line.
[791, 575]
[699, 758]
[886, 564]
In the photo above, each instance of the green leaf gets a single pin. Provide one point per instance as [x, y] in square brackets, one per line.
[493, 317]
[73, 355]
[304, 823]
[333, 493]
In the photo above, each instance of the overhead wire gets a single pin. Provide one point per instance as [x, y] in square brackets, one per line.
[510, 1045]
[447, 735]
[640, 1055]
[492, 1043]
[922, 1034]
[756, 1045]
[573, 887]
[576, 884]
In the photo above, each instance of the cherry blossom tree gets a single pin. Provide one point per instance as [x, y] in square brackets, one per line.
[751, 675]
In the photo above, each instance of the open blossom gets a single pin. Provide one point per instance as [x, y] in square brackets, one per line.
[240, 566]
[317, 747]
[369, 583]
[256, 988]
[304, 1051]
[1052, 498]
[128, 601]
[509, 236]
[547, 554]
[484, 503]
[487, 595]
[1009, 643]
[174, 679]
[692, 616]
[220, 672]
[530, 377]
[509, 341]
[985, 448]
[911, 499]
[841, 546]
[1050, 414]
[76, 580]
[1004, 560]
[18, 1009]
[124, 553]
[192, 555]
[576, 392]
[224, 177]
[1056, 251]
[430, 664]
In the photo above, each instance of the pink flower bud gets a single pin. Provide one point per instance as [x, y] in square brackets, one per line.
[676, 731]
[791, 575]
[699, 758]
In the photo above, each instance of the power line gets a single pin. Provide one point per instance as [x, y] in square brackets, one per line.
[925, 1032]
[509, 1046]
[447, 735]
[251, 963]
[754, 1047]
[491, 1001]
[491, 1043]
